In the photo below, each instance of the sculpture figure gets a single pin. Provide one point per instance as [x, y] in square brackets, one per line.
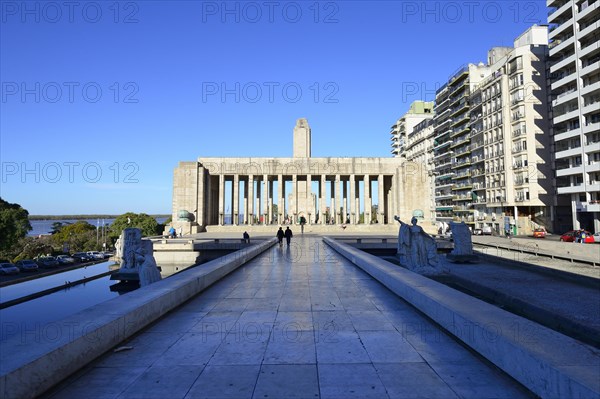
[463, 245]
[417, 250]
[136, 258]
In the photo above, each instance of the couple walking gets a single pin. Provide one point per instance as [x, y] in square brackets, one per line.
[287, 234]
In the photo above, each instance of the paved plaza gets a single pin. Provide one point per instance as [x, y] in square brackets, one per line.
[297, 322]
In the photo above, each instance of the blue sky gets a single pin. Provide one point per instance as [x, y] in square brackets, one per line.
[101, 100]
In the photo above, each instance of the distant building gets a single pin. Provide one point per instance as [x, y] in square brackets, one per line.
[211, 192]
[575, 93]
[418, 111]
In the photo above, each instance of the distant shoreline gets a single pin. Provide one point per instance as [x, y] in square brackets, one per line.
[83, 217]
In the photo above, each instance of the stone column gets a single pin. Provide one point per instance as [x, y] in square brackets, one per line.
[270, 201]
[322, 201]
[245, 205]
[338, 203]
[250, 199]
[309, 198]
[281, 201]
[201, 198]
[221, 199]
[265, 198]
[354, 213]
[367, 199]
[294, 204]
[380, 205]
[344, 201]
[236, 199]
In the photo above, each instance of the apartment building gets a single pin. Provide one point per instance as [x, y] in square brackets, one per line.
[420, 149]
[418, 111]
[452, 146]
[492, 149]
[511, 147]
[574, 59]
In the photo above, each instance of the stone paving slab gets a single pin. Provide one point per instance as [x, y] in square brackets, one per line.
[298, 322]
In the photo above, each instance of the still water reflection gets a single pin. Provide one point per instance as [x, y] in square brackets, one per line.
[32, 319]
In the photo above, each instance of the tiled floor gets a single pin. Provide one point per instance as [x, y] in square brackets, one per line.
[297, 322]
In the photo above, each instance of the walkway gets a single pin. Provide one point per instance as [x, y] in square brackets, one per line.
[298, 322]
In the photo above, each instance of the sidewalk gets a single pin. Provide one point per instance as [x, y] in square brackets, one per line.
[298, 322]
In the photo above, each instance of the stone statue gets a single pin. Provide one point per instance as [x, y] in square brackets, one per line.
[463, 246]
[148, 270]
[136, 258]
[417, 250]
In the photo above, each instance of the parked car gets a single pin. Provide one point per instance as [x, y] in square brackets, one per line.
[596, 238]
[570, 236]
[47, 262]
[539, 233]
[65, 259]
[95, 255]
[27, 265]
[81, 257]
[8, 268]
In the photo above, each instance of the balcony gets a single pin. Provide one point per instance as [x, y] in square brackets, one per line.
[518, 133]
[575, 170]
[462, 186]
[584, 51]
[562, 63]
[565, 97]
[572, 114]
[561, 29]
[591, 127]
[557, 48]
[593, 67]
[590, 88]
[593, 107]
[442, 145]
[567, 134]
[553, 15]
[572, 189]
[568, 153]
[518, 149]
[563, 81]
[586, 11]
[592, 28]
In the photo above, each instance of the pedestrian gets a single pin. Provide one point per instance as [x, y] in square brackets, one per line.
[288, 235]
[172, 232]
[583, 236]
[302, 223]
[280, 236]
[246, 237]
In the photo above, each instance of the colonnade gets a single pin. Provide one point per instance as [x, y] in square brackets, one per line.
[250, 199]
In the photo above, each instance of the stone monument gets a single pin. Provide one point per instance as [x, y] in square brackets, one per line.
[417, 250]
[136, 258]
[463, 246]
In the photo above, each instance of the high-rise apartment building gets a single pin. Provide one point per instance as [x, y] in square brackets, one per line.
[452, 145]
[511, 154]
[492, 148]
[575, 93]
[418, 111]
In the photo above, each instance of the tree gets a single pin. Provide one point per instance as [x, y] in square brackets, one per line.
[14, 224]
[80, 236]
[142, 221]
[32, 247]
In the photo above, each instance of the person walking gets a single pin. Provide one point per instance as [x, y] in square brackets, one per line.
[302, 223]
[280, 236]
[288, 235]
[246, 237]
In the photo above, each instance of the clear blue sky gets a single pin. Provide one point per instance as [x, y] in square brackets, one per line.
[101, 100]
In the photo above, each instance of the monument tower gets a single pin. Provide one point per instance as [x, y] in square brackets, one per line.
[302, 139]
